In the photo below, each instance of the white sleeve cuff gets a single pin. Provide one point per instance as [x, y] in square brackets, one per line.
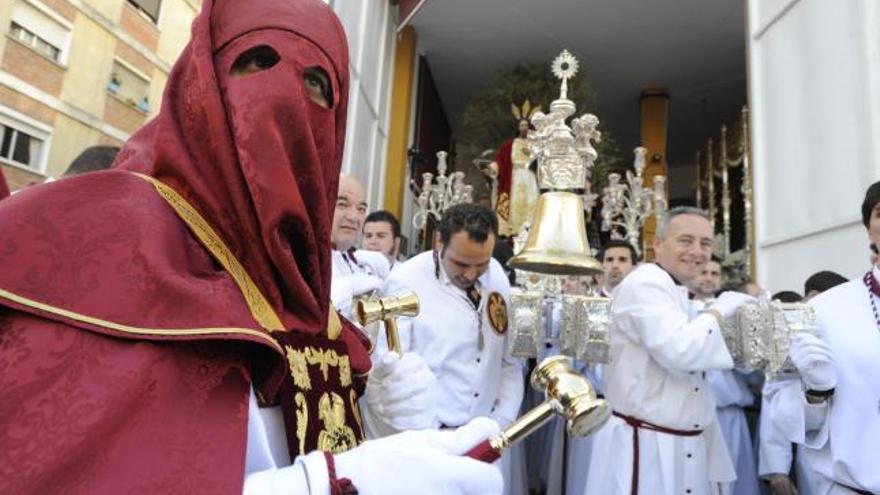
[315, 467]
[308, 475]
[817, 424]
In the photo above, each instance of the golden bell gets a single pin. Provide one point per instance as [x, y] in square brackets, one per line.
[388, 309]
[557, 242]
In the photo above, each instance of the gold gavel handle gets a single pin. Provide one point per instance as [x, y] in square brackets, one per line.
[391, 334]
[490, 450]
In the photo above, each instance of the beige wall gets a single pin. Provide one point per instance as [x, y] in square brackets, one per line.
[5, 18]
[91, 60]
[67, 142]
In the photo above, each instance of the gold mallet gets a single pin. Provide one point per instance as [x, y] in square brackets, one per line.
[388, 309]
[568, 394]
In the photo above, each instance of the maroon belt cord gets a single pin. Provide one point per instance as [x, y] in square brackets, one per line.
[636, 424]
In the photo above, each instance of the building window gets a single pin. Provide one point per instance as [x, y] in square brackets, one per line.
[150, 8]
[42, 30]
[30, 39]
[129, 86]
[20, 147]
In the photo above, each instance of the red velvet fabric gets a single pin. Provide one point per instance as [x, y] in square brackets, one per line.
[484, 451]
[82, 413]
[139, 405]
[253, 154]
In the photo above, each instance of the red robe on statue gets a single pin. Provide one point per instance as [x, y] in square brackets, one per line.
[137, 311]
[505, 179]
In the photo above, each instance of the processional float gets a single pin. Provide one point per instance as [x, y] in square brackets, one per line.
[555, 243]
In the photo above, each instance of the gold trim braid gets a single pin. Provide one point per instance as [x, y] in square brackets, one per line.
[260, 308]
[136, 330]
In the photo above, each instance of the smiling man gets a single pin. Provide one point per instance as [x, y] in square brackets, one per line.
[664, 436]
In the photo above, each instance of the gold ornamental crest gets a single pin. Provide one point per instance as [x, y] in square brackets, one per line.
[496, 309]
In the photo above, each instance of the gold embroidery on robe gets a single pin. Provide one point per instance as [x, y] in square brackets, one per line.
[299, 369]
[323, 358]
[302, 420]
[344, 371]
[336, 437]
[357, 413]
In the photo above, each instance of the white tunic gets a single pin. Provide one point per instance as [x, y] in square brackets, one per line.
[470, 382]
[732, 394]
[656, 374]
[775, 455]
[840, 436]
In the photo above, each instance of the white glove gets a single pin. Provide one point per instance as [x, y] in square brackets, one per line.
[375, 261]
[814, 360]
[427, 462]
[728, 302]
[400, 392]
[344, 289]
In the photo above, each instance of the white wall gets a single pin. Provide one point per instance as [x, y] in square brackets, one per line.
[814, 77]
[370, 26]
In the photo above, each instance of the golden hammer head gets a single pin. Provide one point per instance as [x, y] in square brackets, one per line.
[370, 310]
[572, 395]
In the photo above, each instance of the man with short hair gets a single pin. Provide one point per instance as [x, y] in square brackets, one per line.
[664, 436]
[618, 259]
[92, 159]
[819, 282]
[461, 330]
[709, 282]
[382, 234]
[356, 272]
[833, 410]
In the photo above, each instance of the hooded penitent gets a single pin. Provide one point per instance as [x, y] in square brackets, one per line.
[138, 305]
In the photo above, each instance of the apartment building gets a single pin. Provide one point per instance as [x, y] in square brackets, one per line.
[77, 73]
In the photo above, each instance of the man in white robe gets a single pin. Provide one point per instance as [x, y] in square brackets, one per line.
[618, 258]
[834, 409]
[664, 437]
[732, 394]
[461, 330]
[356, 273]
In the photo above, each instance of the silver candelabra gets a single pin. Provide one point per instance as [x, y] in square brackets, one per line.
[440, 192]
[625, 207]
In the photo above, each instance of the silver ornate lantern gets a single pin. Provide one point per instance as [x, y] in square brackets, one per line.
[759, 335]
